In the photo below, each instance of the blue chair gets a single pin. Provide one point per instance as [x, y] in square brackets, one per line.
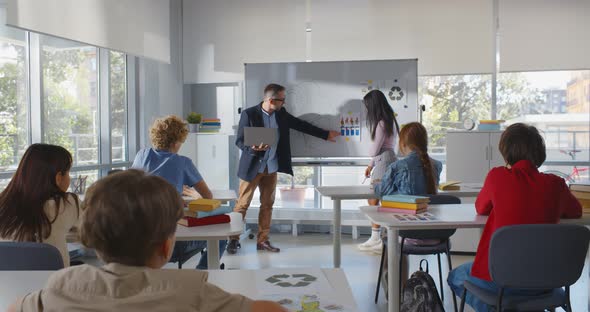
[544, 258]
[27, 256]
[443, 247]
[182, 253]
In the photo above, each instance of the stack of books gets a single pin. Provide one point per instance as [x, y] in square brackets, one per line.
[204, 212]
[582, 192]
[489, 125]
[210, 125]
[406, 204]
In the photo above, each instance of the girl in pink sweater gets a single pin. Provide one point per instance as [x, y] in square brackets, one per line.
[384, 133]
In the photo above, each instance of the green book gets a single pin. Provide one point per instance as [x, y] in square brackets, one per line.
[402, 198]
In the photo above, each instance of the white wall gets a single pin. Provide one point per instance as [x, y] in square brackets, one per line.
[160, 85]
[220, 36]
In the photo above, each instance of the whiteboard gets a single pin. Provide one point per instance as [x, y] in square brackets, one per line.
[329, 95]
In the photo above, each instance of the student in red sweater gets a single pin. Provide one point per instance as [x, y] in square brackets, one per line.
[514, 194]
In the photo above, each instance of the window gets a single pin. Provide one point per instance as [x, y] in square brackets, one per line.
[555, 102]
[298, 192]
[50, 92]
[13, 96]
[449, 100]
[70, 108]
[118, 102]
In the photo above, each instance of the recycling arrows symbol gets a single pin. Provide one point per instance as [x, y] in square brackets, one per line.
[279, 280]
[396, 93]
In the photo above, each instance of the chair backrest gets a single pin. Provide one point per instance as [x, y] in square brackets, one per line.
[27, 256]
[433, 234]
[538, 256]
[441, 199]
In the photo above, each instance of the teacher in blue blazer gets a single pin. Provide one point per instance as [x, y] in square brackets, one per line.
[259, 164]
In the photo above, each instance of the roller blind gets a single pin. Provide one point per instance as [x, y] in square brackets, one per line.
[447, 37]
[544, 35]
[138, 27]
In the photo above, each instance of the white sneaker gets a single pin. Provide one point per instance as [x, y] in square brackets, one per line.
[368, 245]
[377, 249]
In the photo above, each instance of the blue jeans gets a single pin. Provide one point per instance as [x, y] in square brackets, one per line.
[463, 272]
[181, 248]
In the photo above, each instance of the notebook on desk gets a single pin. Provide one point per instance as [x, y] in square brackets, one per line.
[450, 186]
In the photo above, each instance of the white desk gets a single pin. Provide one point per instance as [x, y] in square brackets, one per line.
[340, 193]
[14, 284]
[212, 234]
[450, 217]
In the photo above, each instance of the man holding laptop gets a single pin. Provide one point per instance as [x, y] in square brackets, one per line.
[261, 161]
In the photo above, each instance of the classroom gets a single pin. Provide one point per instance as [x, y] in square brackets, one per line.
[295, 155]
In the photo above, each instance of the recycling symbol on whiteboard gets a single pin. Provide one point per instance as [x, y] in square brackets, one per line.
[293, 280]
[396, 93]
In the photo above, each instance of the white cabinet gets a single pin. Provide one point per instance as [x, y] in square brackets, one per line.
[215, 156]
[471, 154]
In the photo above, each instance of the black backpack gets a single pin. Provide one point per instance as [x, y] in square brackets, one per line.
[420, 294]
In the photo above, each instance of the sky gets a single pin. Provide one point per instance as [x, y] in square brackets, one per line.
[549, 79]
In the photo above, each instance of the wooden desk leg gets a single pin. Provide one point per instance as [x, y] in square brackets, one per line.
[393, 256]
[337, 232]
[213, 254]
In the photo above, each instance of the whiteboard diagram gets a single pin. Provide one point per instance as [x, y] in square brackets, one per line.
[327, 93]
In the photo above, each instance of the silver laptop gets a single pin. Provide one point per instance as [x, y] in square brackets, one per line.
[260, 135]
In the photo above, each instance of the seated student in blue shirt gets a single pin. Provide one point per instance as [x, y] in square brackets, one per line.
[167, 136]
[414, 174]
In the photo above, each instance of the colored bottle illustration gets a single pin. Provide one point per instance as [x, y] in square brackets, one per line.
[346, 121]
[342, 131]
[357, 128]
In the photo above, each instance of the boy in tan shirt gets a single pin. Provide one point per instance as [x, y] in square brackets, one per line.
[130, 220]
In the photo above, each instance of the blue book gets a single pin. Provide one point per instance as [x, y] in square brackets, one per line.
[201, 214]
[402, 198]
[218, 211]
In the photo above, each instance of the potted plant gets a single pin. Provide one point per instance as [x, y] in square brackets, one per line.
[194, 120]
[294, 196]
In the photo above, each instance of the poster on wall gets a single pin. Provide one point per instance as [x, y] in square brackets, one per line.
[350, 127]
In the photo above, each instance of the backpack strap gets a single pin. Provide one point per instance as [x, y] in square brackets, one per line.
[425, 261]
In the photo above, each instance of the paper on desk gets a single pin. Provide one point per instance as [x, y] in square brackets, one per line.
[422, 217]
[292, 281]
[307, 303]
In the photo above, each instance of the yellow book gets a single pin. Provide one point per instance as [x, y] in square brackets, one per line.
[407, 206]
[581, 195]
[202, 204]
[450, 186]
[585, 203]
[491, 121]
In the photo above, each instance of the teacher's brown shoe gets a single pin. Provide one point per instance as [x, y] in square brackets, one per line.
[267, 246]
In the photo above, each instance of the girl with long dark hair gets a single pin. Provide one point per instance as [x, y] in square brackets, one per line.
[384, 129]
[35, 206]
